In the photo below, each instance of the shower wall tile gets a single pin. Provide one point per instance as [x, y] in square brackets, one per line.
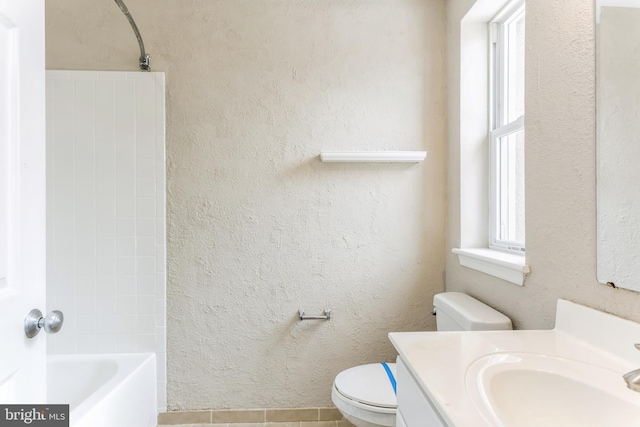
[146, 286]
[107, 343]
[82, 75]
[106, 213]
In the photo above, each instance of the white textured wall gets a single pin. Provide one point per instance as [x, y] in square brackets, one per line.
[560, 170]
[257, 226]
[106, 213]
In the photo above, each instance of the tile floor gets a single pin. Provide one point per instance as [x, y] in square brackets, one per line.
[339, 423]
[291, 417]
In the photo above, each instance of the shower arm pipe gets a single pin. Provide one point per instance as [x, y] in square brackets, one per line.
[145, 59]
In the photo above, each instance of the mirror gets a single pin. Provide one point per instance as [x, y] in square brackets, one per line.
[618, 142]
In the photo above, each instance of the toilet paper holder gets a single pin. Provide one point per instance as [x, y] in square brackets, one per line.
[326, 316]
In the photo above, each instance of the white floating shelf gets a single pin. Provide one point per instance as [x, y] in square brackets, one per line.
[373, 156]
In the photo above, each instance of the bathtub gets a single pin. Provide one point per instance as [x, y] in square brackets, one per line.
[105, 390]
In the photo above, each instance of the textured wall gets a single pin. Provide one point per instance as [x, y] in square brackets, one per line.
[560, 171]
[257, 226]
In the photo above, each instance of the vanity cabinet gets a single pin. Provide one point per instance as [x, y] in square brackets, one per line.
[414, 408]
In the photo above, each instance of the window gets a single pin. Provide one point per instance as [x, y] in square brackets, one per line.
[491, 114]
[506, 228]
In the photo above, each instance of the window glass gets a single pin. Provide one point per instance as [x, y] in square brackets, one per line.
[511, 187]
[515, 74]
[507, 228]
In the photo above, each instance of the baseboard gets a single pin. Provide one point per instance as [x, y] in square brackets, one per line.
[324, 416]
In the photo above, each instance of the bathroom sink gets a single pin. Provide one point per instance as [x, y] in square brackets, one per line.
[514, 389]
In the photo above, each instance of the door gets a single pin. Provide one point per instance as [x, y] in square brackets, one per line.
[22, 199]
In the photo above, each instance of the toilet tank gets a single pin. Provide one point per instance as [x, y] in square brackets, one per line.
[456, 311]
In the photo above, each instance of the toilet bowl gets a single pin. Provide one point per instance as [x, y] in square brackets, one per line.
[365, 395]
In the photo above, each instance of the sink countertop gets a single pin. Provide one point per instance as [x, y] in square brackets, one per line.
[439, 360]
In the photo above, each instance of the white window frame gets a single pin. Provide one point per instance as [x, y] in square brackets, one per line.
[498, 64]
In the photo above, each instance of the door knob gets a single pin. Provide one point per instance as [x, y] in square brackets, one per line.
[34, 321]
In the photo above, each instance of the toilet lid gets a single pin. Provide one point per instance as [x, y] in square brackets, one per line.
[368, 384]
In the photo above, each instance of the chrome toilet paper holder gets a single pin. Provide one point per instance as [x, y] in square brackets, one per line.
[326, 316]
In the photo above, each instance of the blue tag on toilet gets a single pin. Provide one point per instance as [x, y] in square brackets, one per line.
[392, 379]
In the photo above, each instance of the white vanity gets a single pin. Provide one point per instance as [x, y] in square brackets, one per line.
[568, 376]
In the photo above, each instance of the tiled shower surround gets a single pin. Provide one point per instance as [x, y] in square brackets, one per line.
[106, 213]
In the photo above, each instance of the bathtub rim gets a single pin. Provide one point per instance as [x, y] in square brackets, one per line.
[127, 365]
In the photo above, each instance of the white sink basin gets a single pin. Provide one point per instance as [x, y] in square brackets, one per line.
[513, 389]
[570, 376]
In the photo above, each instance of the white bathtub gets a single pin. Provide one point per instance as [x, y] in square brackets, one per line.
[105, 390]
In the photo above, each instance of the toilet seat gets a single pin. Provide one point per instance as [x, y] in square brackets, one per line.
[368, 386]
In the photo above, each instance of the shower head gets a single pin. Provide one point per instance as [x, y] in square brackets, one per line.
[145, 59]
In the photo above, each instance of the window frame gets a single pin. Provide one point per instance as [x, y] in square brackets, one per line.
[499, 128]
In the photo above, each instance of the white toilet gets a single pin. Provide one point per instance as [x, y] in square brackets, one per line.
[365, 395]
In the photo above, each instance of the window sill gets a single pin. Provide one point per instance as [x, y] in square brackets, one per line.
[509, 267]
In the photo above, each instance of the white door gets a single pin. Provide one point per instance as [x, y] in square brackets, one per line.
[22, 199]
